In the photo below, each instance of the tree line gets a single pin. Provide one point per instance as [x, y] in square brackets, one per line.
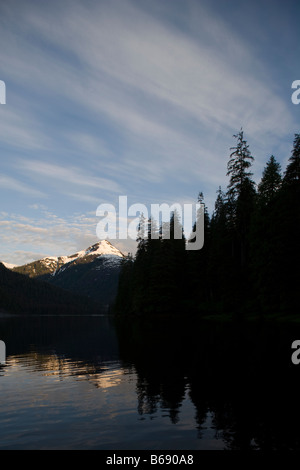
[250, 259]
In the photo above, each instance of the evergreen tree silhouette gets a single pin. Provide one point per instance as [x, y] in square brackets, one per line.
[240, 203]
[264, 271]
[292, 172]
[270, 182]
[288, 232]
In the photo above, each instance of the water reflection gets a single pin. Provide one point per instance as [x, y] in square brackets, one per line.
[240, 379]
[138, 385]
[83, 348]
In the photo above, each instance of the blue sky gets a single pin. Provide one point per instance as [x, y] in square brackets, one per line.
[132, 97]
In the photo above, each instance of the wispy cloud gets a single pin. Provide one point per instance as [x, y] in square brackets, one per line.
[153, 83]
[12, 184]
[68, 175]
[216, 80]
[44, 235]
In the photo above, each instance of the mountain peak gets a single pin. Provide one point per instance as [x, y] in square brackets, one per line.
[104, 247]
[101, 248]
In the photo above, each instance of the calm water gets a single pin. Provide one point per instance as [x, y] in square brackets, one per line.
[87, 383]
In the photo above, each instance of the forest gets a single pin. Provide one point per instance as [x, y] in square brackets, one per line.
[20, 294]
[249, 264]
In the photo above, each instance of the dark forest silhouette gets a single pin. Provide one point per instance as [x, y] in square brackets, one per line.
[249, 263]
[20, 294]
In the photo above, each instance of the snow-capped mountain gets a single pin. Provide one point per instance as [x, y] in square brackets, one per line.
[56, 264]
[93, 272]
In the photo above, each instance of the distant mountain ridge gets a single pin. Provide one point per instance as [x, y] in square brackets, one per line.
[53, 264]
[93, 272]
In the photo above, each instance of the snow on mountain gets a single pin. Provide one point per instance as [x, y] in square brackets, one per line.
[8, 265]
[49, 261]
[110, 260]
[56, 264]
[101, 248]
[93, 272]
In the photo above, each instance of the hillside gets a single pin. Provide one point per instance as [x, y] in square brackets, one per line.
[21, 295]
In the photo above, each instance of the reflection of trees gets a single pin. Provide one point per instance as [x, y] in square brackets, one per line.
[240, 378]
[156, 392]
[159, 364]
[63, 346]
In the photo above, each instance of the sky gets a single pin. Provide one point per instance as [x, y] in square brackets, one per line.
[136, 98]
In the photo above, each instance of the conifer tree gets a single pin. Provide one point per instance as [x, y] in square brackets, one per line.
[142, 236]
[292, 173]
[198, 282]
[270, 182]
[264, 240]
[241, 188]
[219, 214]
[220, 253]
[140, 274]
[155, 268]
[173, 255]
[238, 167]
[124, 297]
[240, 203]
[288, 231]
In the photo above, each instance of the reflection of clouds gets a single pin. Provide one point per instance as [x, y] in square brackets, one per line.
[50, 365]
[108, 379]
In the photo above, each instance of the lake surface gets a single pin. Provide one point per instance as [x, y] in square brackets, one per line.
[91, 383]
